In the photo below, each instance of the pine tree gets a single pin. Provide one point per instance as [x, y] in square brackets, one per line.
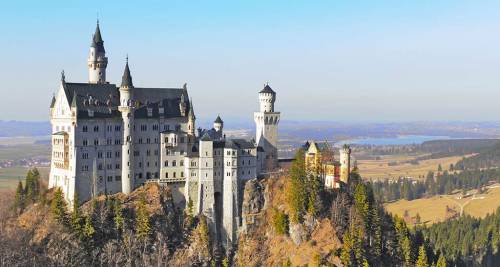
[441, 261]
[422, 258]
[118, 215]
[19, 198]
[88, 228]
[76, 219]
[296, 195]
[58, 206]
[142, 224]
[28, 187]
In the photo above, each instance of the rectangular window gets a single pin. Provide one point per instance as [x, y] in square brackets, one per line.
[118, 178]
[84, 128]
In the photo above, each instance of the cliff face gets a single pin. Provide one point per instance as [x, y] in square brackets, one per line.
[170, 239]
[261, 245]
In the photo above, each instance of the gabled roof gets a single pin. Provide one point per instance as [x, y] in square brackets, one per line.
[267, 89]
[206, 137]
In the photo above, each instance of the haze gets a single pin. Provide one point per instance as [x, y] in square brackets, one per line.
[327, 60]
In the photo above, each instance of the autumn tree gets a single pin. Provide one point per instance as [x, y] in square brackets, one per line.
[142, 224]
[422, 258]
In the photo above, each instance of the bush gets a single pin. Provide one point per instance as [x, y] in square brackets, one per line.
[280, 222]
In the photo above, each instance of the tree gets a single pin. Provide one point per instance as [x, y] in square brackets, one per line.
[88, 228]
[58, 206]
[76, 219]
[441, 261]
[422, 260]
[19, 198]
[118, 215]
[142, 224]
[280, 222]
[296, 195]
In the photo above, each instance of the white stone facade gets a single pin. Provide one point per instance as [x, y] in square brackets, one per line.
[109, 139]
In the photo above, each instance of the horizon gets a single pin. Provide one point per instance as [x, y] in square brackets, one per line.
[364, 62]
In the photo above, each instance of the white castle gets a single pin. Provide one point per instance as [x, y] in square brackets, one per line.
[108, 139]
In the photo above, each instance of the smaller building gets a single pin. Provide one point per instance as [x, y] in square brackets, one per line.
[320, 160]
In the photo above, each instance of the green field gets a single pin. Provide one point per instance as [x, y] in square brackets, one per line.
[10, 176]
[17, 152]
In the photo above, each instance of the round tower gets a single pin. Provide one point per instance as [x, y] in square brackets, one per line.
[266, 99]
[345, 163]
[218, 124]
[97, 60]
[127, 110]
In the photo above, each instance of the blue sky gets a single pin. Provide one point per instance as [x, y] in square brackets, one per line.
[327, 60]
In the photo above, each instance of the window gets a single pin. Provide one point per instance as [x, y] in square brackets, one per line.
[99, 155]
[85, 142]
[85, 155]
[181, 162]
[96, 128]
[173, 174]
[118, 128]
[117, 166]
[148, 152]
[117, 154]
[84, 128]
[182, 174]
[99, 167]
[96, 142]
[166, 175]
[166, 163]
[118, 178]
[148, 140]
[173, 163]
[110, 178]
[109, 128]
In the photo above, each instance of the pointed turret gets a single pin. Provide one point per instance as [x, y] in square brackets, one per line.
[218, 124]
[126, 78]
[97, 60]
[191, 118]
[73, 102]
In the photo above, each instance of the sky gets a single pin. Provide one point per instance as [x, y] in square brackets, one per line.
[377, 61]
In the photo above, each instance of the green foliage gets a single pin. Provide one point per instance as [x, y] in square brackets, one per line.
[315, 260]
[422, 260]
[466, 241]
[441, 261]
[32, 187]
[19, 199]
[280, 222]
[225, 262]
[190, 206]
[142, 224]
[88, 228]
[76, 218]
[296, 189]
[58, 207]
[118, 215]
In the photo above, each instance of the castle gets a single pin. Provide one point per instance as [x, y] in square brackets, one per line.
[108, 139]
[320, 160]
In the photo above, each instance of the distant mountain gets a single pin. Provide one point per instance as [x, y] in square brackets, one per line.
[24, 128]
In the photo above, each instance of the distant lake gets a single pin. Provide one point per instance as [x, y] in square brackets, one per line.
[399, 140]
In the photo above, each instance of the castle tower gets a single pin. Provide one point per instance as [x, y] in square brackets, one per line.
[266, 122]
[127, 110]
[345, 163]
[191, 119]
[218, 124]
[97, 60]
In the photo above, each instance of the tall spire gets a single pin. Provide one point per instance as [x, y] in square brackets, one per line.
[126, 78]
[97, 41]
[191, 109]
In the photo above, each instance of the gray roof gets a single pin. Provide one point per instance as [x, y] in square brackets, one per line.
[60, 133]
[234, 144]
[218, 120]
[206, 137]
[267, 89]
[53, 102]
[104, 99]
[126, 78]
[97, 41]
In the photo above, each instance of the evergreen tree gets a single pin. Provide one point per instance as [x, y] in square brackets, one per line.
[296, 195]
[28, 187]
[441, 261]
[142, 224]
[88, 228]
[422, 258]
[58, 206]
[76, 219]
[19, 198]
[118, 215]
